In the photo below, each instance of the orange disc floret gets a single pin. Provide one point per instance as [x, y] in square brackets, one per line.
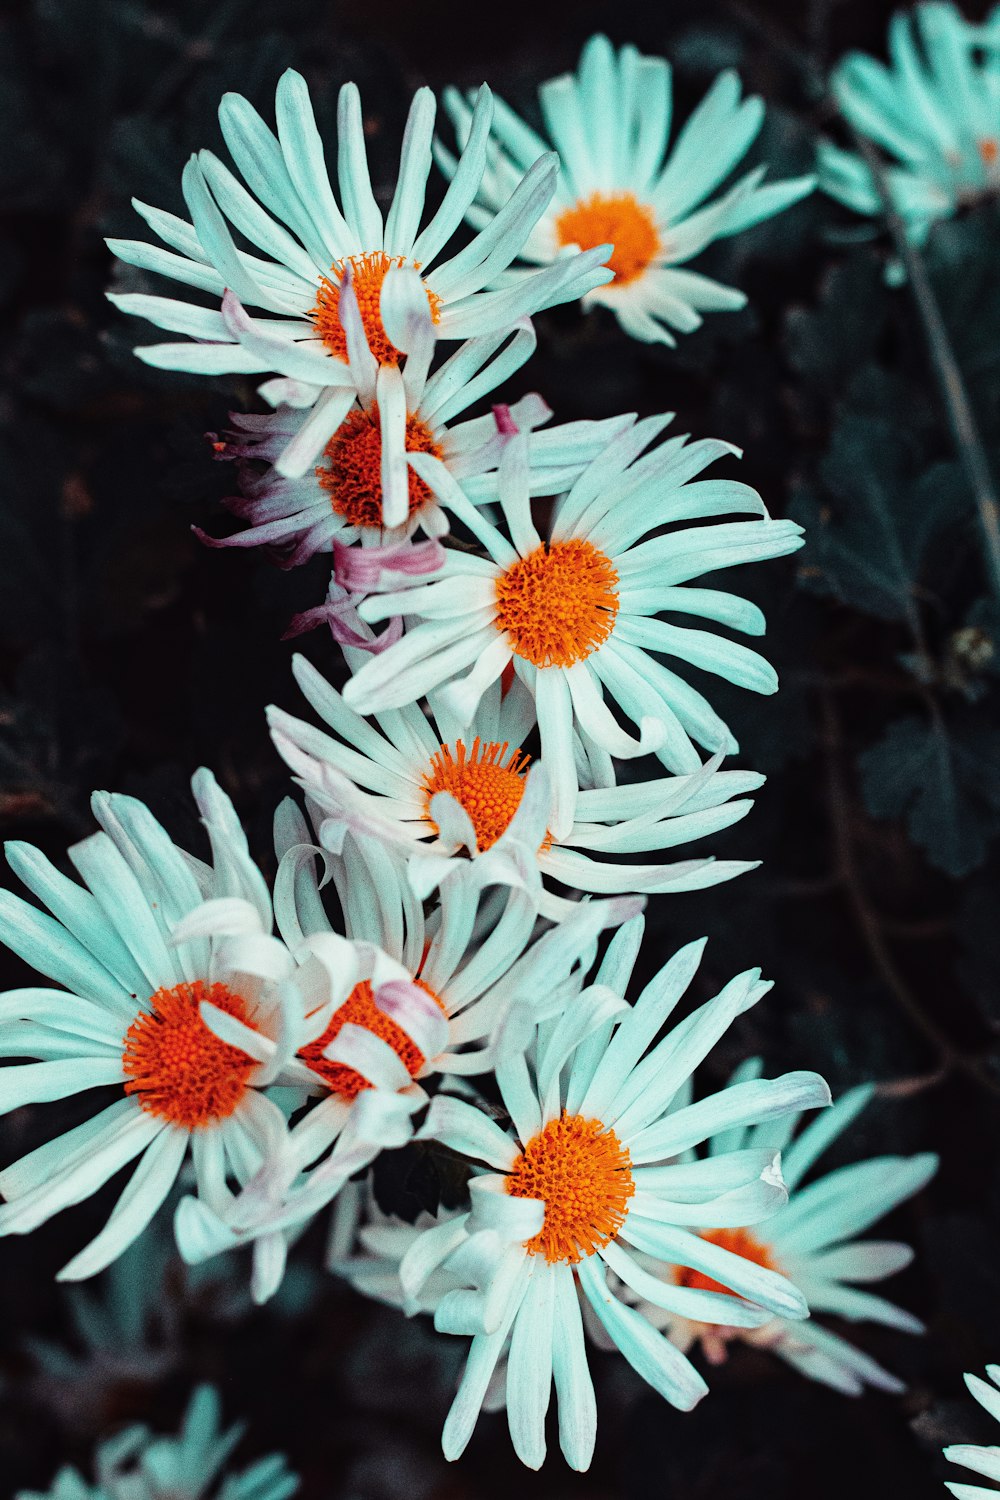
[360, 1010]
[368, 273]
[740, 1242]
[487, 782]
[559, 603]
[351, 472]
[617, 219]
[583, 1174]
[179, 1069]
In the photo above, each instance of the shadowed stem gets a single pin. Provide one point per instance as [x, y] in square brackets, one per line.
[949, 377]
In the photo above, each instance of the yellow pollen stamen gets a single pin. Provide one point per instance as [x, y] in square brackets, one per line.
[360, 1009]
[559, 603]
[351, 471]
[740, 1242]
[179, 1069]
[583, 1174]
[369, 272]
[617, 219]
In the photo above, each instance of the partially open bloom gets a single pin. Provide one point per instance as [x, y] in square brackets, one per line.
[136, 1465]
[980, 1460]
[610, 123]
[582, 1184]
[441, 793]
[812, 1241]
[935, 110]
[133, 1015]
[309, 242]
[576, 613]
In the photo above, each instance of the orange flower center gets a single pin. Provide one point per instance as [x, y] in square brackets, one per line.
[740, 1242]
[360, 1009]
[489, 790]
[618, 219]
[352, 469]
[369, 272]
[559, 603]
[583, 1174]
[989, 150]
[179, 1069]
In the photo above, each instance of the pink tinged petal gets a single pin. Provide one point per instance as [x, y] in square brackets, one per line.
[361, 569]
[416, 1012]
[506, 425]
[346, 626]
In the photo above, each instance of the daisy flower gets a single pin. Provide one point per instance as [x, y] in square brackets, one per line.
[135, 1465]
[132, 1015]
[439, 792]
[472, 963]
[812, 1240]
[581, 1181]
[935, 110]
[610, 123]
[980, 1460]
[308, 241]
[362, 489]
[576, 613]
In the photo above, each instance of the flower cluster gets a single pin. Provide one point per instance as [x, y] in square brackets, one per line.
[445, 952]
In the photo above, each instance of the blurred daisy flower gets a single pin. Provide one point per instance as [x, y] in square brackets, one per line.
[610, 123]
[812, 1240]
[980, 1460]
[471, 963]
[188, 1029]
[135, 1465]
[575, 613]
[308, 243]
[935, 110]
[440, 793]
[582, 1184]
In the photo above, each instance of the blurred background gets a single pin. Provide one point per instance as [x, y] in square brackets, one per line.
[130, 654]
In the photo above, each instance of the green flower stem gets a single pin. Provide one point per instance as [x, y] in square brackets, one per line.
[949, 376]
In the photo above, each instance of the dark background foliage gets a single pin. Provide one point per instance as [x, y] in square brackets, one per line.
[129, 654]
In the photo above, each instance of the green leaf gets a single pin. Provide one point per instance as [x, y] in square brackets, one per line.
[868, 547]
[942, 778]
